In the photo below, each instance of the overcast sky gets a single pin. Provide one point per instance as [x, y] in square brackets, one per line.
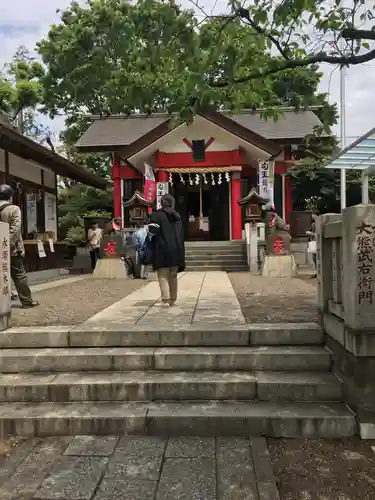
[24, 22]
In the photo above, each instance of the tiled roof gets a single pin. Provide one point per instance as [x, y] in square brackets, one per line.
[116, 131]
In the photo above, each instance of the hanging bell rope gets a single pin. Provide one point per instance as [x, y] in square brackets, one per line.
[202, 170]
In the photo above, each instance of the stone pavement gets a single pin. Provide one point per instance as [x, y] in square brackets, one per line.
[204, 300]
[139, 468]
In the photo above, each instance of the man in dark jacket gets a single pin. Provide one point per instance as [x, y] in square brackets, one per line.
[168, 248]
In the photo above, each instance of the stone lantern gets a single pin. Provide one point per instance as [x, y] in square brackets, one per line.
[253, 204]
[138, 208]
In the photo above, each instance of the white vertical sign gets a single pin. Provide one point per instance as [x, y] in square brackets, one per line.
[5, 283]
[31, 212]
[50, 213]
[161, 189]
[266, 179]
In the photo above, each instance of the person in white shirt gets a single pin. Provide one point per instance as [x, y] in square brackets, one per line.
[94, 238]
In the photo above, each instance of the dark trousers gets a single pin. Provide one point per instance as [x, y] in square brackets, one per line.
[314, 259]
[19, 277]
[94, 254]
[129, 264]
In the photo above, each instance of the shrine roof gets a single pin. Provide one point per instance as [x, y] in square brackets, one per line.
[253, 196]
[114, 132]
[138, 198]
[14, 142]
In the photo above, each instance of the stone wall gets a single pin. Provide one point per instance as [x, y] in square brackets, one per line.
[346, 302]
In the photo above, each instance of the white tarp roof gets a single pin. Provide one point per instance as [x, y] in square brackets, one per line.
[360, 155]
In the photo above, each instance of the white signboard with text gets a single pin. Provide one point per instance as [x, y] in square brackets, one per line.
[50, 212]
[31, 212]
[5, 283]
[266, 179]
[162, 188]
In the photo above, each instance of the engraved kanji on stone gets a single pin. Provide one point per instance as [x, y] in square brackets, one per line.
[364, 268]
[365, 282]
[365, 257]
[364, 243]
[365, 297]
[364, 228]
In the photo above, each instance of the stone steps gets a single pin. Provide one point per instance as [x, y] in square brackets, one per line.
[265, 358]
[273, 419]
[220, 256]
[257, 334]
[248, 379]
[164, 386]
[229, 268]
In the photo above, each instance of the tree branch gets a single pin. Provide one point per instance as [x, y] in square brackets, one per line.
[321, 57]
[355, 34]
[245, 14]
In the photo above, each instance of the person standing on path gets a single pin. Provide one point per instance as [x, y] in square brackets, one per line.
[139, 238]
[168, 248]
[94, 237]
[11, 214]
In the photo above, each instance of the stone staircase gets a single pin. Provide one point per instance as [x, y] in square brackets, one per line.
[229, 256]
[257, 380]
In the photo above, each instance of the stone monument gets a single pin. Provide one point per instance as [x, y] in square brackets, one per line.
[279, 261]
[110, 265]
[5, 281]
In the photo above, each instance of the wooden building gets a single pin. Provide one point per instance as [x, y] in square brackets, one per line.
[32, 171]
[209, 165]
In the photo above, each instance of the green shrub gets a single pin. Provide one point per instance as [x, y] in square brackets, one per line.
[76, 236]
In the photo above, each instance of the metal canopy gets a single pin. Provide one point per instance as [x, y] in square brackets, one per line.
[360, 155]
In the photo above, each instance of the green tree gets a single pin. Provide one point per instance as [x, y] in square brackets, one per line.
[154, 55]
[21, 93]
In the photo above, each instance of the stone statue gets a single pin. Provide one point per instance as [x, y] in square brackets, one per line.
[113, 244]
[276, 232]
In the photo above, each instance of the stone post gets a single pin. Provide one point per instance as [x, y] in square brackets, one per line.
[5, 281]
[324, 262]
[251, 231]
[359, 269]
[351, 334]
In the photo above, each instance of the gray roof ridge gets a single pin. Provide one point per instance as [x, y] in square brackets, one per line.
[166, 115]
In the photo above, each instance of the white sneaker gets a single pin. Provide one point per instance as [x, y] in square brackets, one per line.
[165, 305]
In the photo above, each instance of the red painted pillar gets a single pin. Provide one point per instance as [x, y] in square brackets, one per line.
[115, 175]
[236, 210]
[287, 194]
[162, 176]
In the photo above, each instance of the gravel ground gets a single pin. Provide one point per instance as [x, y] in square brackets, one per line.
[74, 303]
[275, 299]
[323, 469]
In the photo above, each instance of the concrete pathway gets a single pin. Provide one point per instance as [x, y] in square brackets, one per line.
[204, 300]
[135, 468]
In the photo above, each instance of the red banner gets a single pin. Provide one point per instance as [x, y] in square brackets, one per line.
[150, 190]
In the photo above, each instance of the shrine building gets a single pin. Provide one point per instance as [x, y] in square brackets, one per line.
[208, 165]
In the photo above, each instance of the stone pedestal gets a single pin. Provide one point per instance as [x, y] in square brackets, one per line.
[5, 281]
[279, 266]
[110, 269]
[81, 261]
[346, 286]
